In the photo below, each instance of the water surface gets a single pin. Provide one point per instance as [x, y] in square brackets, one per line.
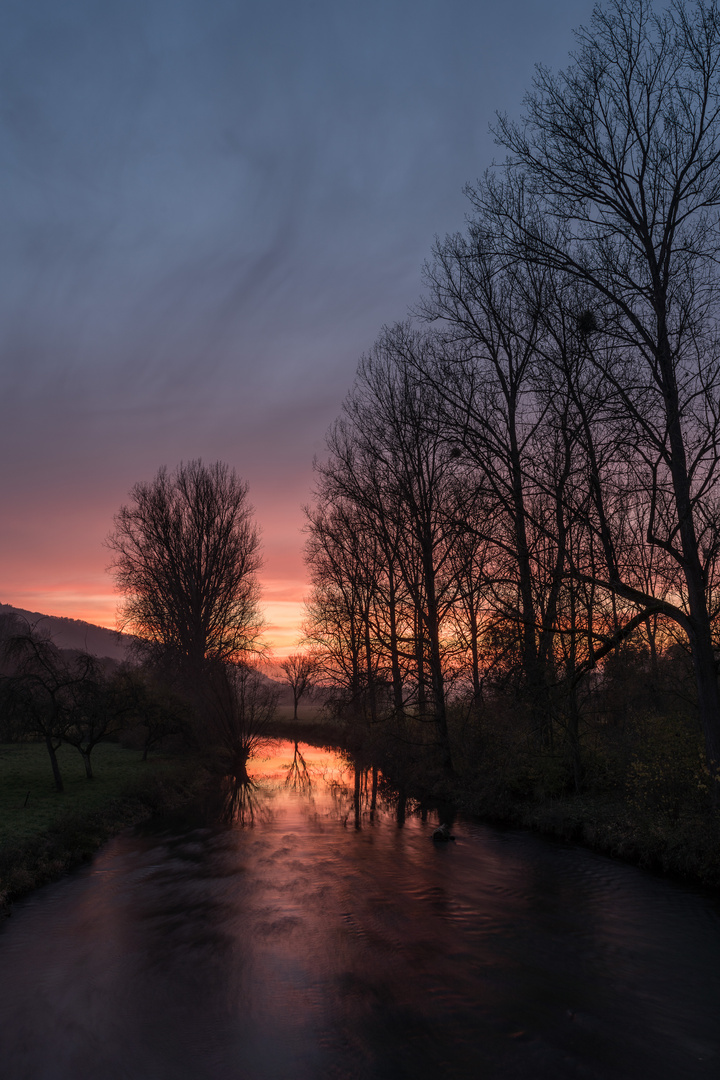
[323, 934]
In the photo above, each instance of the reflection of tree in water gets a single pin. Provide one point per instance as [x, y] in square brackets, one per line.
[365, 798]
[238, 705]
[355, 792]
[340, 794]
[298, 776]
[240, 801]
[364, 795]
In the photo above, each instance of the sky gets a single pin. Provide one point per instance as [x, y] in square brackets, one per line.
[209, 210]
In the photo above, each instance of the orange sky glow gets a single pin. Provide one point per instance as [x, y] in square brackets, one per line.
[58, 567]
[282, 605]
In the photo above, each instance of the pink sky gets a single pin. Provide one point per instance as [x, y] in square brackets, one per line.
[56, 565]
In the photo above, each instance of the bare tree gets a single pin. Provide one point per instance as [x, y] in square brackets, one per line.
[59, 698]
[38, 692]
[482, 371]
[99, 706]
[185, 557]
[349, 494]
[345, 565]
[388, 457]
[614, 179]
[302, 671]
[153, 697]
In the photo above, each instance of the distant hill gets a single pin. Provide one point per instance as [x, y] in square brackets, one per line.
[76, 634]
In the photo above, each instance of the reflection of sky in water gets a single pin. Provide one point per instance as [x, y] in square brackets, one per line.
[302, 947]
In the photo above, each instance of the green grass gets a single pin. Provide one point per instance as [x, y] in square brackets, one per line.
[29, 804]
[44, 833]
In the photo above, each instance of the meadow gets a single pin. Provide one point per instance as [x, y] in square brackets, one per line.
[44, 833]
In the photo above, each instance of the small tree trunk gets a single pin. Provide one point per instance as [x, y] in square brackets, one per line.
[701, 638]
[574, 738]
[419, 642]
[369, 672]
[475, 654]
[394, 653]
[401, 808]
[708, 699]
[54, 763]
[86, 762]
[356, 794]
[432, 621]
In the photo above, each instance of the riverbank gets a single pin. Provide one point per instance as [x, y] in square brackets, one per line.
[647, 804]
[44, 834]
[657, 816]
[687, 848]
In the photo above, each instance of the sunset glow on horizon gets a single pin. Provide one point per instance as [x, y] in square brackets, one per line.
[282, 617]
[94, 600]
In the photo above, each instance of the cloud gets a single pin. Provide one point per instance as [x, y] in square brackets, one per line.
[210, 209]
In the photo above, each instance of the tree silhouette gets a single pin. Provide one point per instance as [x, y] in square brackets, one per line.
[186, 555]
[301, 672]
[613, 179]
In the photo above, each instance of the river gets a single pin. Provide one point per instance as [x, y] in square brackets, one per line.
[319, 932]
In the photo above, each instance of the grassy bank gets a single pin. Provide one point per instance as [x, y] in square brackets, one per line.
[44, 833]
[686, 846]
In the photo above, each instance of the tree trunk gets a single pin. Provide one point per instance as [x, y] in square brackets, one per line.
[573, 709]
[420, 664]
[703, 657]
[356, 794]
[54, 763]
[370, 674]
[701, 642]
[533, 669]
[436, 672]
[475, 653]
[394, 652]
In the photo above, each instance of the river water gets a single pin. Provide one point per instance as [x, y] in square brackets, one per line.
[320, 933]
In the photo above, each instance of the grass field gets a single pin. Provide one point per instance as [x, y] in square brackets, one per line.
[43, 833]
[29, 804]
[311, 713]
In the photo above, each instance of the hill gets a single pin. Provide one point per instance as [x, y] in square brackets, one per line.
[76, 634]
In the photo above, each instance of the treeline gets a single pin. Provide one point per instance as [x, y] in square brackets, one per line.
[520, 498]
[70, 697]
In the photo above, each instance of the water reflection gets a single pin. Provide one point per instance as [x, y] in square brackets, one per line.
[333, 938]
[240, 800]
[298, 774]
